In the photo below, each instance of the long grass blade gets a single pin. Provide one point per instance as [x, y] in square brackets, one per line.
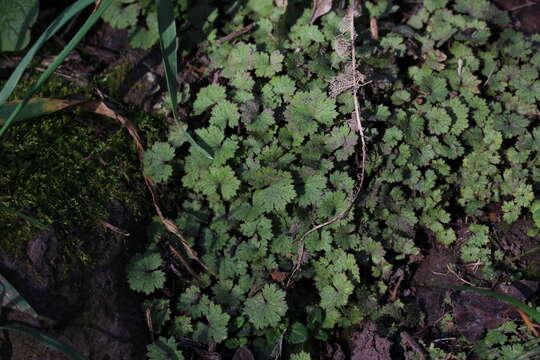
[530, 311]
[12, 299]
[46, 340]
[52, 29]
[29, 219]
[169, 49]
[59, 59]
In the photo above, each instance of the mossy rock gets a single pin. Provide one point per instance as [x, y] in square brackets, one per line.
[64, 170]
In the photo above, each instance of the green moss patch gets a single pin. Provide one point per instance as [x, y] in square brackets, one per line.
[63, 170]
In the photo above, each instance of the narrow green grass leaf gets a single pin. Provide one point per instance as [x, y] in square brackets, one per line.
[12, 299]
[30, 219]
[530, 311]
[59, 59]
[169, 49]
[52, 29]
[46, 340]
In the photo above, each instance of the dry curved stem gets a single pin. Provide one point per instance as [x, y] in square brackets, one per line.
[356, 81]
[235, 34]
[113, 228]
[528, 322]
[101, 108]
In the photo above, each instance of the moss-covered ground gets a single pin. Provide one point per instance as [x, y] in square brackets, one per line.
[63, 169]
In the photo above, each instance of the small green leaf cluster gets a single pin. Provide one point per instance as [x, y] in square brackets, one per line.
[535, 212]
[503, 343]
[125, 14]
[144, 273]
[164, 349]
[448, 135]
[282, 152]
[460, 121]
[196, 21]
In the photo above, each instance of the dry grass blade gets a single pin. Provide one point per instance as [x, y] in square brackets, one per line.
[148, 316]
[528, 322]
[113, 228]
[183, 261]
[34, 108]
[374, 28]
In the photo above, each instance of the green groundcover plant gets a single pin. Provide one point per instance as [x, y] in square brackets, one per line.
[448, 102]
[449, 111]
[195, 20]
[17, 18]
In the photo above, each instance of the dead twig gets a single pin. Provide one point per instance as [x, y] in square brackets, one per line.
[148, 316]
[183, 261]
[114, 228]
[451, 271]
[518, 7]
[528, 322]
[301, 249]
[235, 34]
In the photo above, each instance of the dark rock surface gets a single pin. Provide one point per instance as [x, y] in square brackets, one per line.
[90, 308]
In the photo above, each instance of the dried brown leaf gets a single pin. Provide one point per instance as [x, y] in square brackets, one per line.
[351, 79]
[342, 46]
[279, 275]
[320, 7]
[374, 28]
